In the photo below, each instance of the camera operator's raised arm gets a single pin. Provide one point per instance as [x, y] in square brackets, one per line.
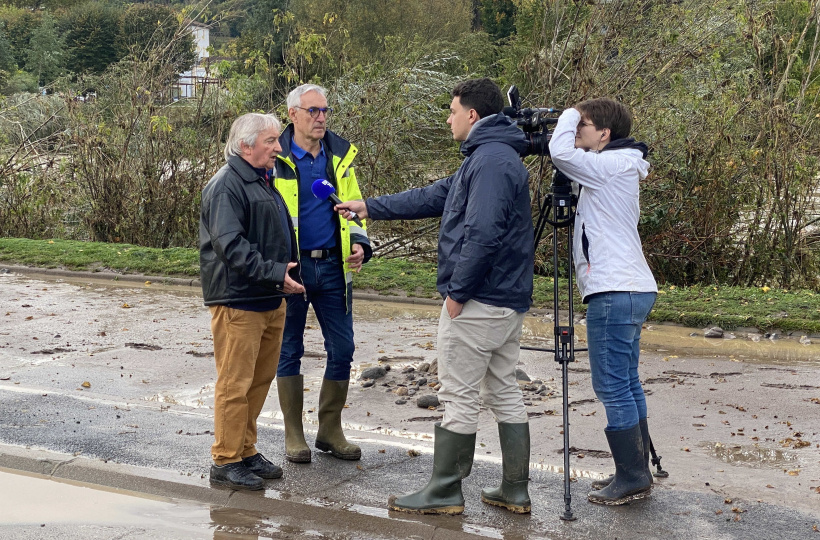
[582, 164]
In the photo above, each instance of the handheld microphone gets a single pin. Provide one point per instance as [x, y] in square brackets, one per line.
[322, 189]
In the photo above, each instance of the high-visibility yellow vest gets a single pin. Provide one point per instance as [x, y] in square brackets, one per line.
[343, 178]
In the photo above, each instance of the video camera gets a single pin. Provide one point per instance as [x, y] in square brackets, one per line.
[535, 122]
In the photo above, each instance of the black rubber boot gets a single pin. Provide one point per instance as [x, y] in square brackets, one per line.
[515, 459]
[291, 398]
[330, 437]
[631, 481]
[452, 461]
[601, 484]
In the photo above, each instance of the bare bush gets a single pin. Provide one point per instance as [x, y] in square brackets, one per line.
[141, 159]
[32, 197]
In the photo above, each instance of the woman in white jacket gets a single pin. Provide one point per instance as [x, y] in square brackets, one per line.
[591, 146]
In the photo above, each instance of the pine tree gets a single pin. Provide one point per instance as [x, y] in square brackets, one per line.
[45, 59]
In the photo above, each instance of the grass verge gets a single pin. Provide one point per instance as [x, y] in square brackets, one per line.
[696, 306]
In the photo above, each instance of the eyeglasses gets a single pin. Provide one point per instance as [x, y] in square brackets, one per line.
[314, 111]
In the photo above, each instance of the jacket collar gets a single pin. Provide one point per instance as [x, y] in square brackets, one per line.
[243, 169]
[332, 143]
[494, 128]
[627, 142]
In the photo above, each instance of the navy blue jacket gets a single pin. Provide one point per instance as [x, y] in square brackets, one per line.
[485, 249]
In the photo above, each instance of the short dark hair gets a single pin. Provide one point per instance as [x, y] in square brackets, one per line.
[483, 95]
[608, 113]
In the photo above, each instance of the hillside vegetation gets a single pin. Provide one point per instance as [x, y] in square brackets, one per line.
[94, 145]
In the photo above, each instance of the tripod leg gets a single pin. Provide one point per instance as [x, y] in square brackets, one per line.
[565, 337]
[567, 514]
[656, 461]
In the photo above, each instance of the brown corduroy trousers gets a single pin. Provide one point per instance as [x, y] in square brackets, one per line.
[246, 350]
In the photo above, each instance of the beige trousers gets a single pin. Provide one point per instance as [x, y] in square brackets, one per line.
[246, 350]
[477, 355]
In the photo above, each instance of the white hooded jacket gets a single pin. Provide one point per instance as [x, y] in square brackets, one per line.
[606, 249]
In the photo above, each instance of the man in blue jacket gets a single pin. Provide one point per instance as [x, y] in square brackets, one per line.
[330, 250]
[485, 270]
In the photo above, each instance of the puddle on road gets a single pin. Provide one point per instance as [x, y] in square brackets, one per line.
[229, 523]
[749, 455]
[34, 499]
[676, 340]
[31, 499]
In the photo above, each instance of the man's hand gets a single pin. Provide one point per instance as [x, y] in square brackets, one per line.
[453, 307]
[290, 286]
[356, 258]
[351, 206]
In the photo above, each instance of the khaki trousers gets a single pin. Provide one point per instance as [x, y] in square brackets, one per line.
[246, 350]
[477, 355]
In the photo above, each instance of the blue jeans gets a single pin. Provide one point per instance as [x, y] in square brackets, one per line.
[325, 288]
[614, 322]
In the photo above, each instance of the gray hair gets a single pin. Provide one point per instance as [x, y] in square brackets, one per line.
[246, 128]
[295, 96]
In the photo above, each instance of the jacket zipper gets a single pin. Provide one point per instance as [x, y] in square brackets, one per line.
[272, 186]
[585, 245]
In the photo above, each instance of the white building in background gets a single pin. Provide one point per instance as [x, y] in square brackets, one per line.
[199, 74]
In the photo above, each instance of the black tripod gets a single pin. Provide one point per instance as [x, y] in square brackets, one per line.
[560, 203]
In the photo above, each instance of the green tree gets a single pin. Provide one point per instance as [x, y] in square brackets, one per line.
[149, 28]
[8, 65]
[46, 57]
[19, 25]
[497, 17]
[90, 32]
[264, 29]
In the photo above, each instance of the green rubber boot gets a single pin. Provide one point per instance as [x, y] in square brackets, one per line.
[330, 437]
[452, 461]
[291, 398]
[515, 462]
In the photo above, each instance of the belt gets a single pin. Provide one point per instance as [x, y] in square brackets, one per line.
[317, 253]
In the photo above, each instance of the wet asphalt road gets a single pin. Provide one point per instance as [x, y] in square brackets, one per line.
[124, 375]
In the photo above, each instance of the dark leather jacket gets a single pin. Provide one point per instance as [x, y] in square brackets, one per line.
[243, 247]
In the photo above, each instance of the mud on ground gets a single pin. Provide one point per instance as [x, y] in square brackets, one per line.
[738, 417]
